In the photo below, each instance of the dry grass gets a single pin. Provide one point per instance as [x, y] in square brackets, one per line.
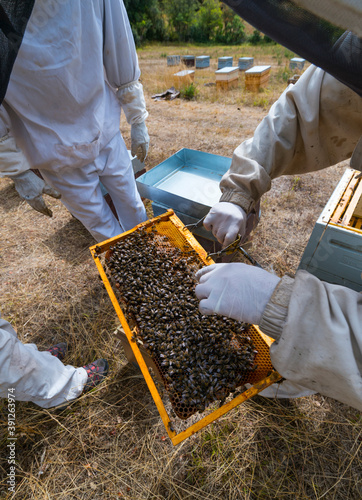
[111, 444]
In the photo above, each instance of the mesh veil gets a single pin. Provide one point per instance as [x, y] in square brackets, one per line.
[14, 15]
[327, 45]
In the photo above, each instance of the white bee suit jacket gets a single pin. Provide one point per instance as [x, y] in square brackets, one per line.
[318, 327]
[35, 376]
[77, 66]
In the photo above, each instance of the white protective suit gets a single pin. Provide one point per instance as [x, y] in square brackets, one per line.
[315, 123]
[35, 376]
[76, 68]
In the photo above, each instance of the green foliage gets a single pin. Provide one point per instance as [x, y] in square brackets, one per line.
[181, 15]
[189, 92]
[146, 19]
[208, 22]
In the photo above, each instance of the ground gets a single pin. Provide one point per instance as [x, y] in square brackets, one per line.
[111, 443]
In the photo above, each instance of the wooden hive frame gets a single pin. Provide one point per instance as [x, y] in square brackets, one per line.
[269, 376]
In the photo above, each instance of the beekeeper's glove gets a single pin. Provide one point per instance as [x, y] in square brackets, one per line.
[31, 188]
[226, 221]
[140, 141]
[236, 290]
[132, 101]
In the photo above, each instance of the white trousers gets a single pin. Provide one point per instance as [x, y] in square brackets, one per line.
[30, 375]
[82, 194]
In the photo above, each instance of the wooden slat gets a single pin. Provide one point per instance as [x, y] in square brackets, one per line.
[352, 204]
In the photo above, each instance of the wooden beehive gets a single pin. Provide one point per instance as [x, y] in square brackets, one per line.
[257, 77]
[184, 77]
[227, 77]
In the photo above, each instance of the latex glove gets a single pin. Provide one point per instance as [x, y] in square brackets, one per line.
[140, 140]
[236, 290]
[31, 188]
[226, 221]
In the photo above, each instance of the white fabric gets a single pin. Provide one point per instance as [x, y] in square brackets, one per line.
[320, 344]
[61, 95]
[12, 159]
[82, 193]
[226, 221]
[314, 124]
[36, 376]
[236, 290]
[133, 102]
[344, 13]
[139, 141]
[64, 112]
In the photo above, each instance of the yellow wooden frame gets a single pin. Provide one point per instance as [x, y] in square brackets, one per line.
[176, 438]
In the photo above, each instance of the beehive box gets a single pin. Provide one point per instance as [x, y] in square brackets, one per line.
[296, 63]
[173, 60]
[227, 77]
[224, 62]
[188, 60]
[257, 77]
[245, 63]
[262, 374]
[185, 77]
[334, 250]
[202, 62]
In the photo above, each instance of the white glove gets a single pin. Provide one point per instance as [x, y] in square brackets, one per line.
[226, 221]
[236, 290]
[31, 188]
[140, 140]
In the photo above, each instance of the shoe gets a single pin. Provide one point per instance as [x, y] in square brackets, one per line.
[58, 350]
[97, 372]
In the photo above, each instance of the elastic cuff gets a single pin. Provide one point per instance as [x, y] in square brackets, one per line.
[126, 85]
[242, 199]
[4, 137]
[276, 310]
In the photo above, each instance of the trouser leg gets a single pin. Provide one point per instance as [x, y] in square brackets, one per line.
[33, 375]
[82, 196]
[118, 178]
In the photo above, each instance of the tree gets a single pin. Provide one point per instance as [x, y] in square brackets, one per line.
[208, 21]
[181, 14]
[146, 19]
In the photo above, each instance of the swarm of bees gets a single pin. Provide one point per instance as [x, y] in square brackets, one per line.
[202, 359]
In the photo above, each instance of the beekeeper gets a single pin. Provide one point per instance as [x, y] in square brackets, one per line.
[75, 70]
[27, 374]
[314, 124]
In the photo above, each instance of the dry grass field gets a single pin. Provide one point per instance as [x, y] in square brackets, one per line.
[111, 444]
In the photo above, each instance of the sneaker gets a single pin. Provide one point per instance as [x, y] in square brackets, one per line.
[97, 371]
[58, 350]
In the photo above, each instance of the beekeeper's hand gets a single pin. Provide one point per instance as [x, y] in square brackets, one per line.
[226, 221]
[140, 140]
[236, 290]
[31, 188]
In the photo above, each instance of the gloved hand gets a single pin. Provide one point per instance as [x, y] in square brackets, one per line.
[236, 290]
[226, 220]
[31, 188]
[140, 140]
